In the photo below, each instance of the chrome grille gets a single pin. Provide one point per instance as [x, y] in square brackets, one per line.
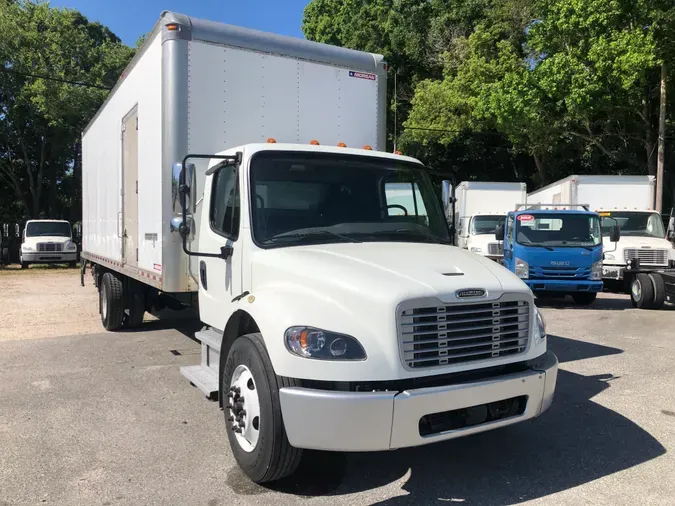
[495, 248]
[49, 246]
[646, 256]
[443, 335]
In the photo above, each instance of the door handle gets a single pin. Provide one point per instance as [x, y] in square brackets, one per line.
[202, 273]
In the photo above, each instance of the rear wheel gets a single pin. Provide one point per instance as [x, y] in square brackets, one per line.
[111, 297]
[584, 298]
[255, 428]
[642, 292]
[659, 290]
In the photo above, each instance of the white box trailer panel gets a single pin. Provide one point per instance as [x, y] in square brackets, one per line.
[599, 192]
[137, 96]
[203, 87]
[478, 197]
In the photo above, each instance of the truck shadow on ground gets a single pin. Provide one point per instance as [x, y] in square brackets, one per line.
[575, 442]
[620, 303]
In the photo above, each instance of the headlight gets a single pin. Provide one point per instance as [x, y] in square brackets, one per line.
[540, 326]
[310, 342]
[71, 246]
[522, 269]
[596, 271]
[609, 256]
[27, 247]
[475, 249]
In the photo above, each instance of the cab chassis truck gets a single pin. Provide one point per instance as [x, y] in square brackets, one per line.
[243, 173]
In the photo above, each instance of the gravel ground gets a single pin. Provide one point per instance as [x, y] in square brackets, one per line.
[107, 419]
[46, 303]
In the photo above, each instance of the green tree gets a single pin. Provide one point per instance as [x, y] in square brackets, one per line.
[56, 70]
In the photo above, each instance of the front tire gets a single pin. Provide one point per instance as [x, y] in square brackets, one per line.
[584, 298]
[111, 297]
[24, 265]
[642, 292]
[255, 428]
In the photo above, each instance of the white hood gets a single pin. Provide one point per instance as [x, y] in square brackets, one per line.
[58, 239]
[391, 272]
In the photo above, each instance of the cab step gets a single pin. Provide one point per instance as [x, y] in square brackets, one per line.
[205, 375]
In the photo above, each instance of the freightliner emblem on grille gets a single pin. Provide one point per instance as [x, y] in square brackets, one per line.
[472, 292]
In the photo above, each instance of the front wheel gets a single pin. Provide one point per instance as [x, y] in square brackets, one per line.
[584, 298]
[255, 428]
[24, 265]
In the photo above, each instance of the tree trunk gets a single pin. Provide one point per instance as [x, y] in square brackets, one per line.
[650, 142]
[662, 139]
[541, 169]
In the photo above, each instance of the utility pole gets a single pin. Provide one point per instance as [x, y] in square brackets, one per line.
[662, 139]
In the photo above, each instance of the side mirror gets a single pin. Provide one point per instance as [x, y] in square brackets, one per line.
[499, 232]
[17, 230]
[182, 184]
[447, 190]
[615, 233]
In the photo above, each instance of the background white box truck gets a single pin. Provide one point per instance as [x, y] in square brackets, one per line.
[336, 317]
[479, 207]
[626, 201]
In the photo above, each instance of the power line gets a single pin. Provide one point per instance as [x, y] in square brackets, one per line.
[57, 79]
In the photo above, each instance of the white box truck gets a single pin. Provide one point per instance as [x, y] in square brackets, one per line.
[479, 208]
[626, 201]
[334, 318]
[47, 242]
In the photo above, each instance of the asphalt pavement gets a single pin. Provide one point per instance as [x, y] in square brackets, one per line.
[107, 419]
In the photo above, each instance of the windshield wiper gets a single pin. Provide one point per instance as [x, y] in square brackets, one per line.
[304, 236]
[539, 246]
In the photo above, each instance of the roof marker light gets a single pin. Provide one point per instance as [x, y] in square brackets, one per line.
[271, 140]
[341, 145]
[314, 142]
[367, 148]
[173, 27]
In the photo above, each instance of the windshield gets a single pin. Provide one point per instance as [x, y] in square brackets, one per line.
[47, 228]
[302, 198]
[561, 229]
[634, 224]
[486, 224]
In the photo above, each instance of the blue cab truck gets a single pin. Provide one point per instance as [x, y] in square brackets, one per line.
[555, 249]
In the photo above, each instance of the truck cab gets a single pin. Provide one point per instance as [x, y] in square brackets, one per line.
[47, 241]
[338, 297]
[643, 237]
[556, 251]
[476, 234]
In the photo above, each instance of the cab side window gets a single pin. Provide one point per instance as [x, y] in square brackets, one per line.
[225, 211]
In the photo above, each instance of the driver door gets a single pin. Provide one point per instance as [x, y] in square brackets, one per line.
[220, 280]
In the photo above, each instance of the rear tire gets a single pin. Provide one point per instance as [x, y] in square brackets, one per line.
[267, 456]
[584, 298]
[4, 257]
[642, 292]
[111, 297]
[659, 290]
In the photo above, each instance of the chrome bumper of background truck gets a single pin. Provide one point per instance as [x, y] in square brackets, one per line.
[47, 257]
[373, 421]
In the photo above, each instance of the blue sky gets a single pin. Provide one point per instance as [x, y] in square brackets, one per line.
[129, 19]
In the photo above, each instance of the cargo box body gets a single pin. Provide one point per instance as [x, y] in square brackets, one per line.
[202, 87]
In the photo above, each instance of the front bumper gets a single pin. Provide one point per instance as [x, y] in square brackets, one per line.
[43, 257]
[373, 421]
[563, 285]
